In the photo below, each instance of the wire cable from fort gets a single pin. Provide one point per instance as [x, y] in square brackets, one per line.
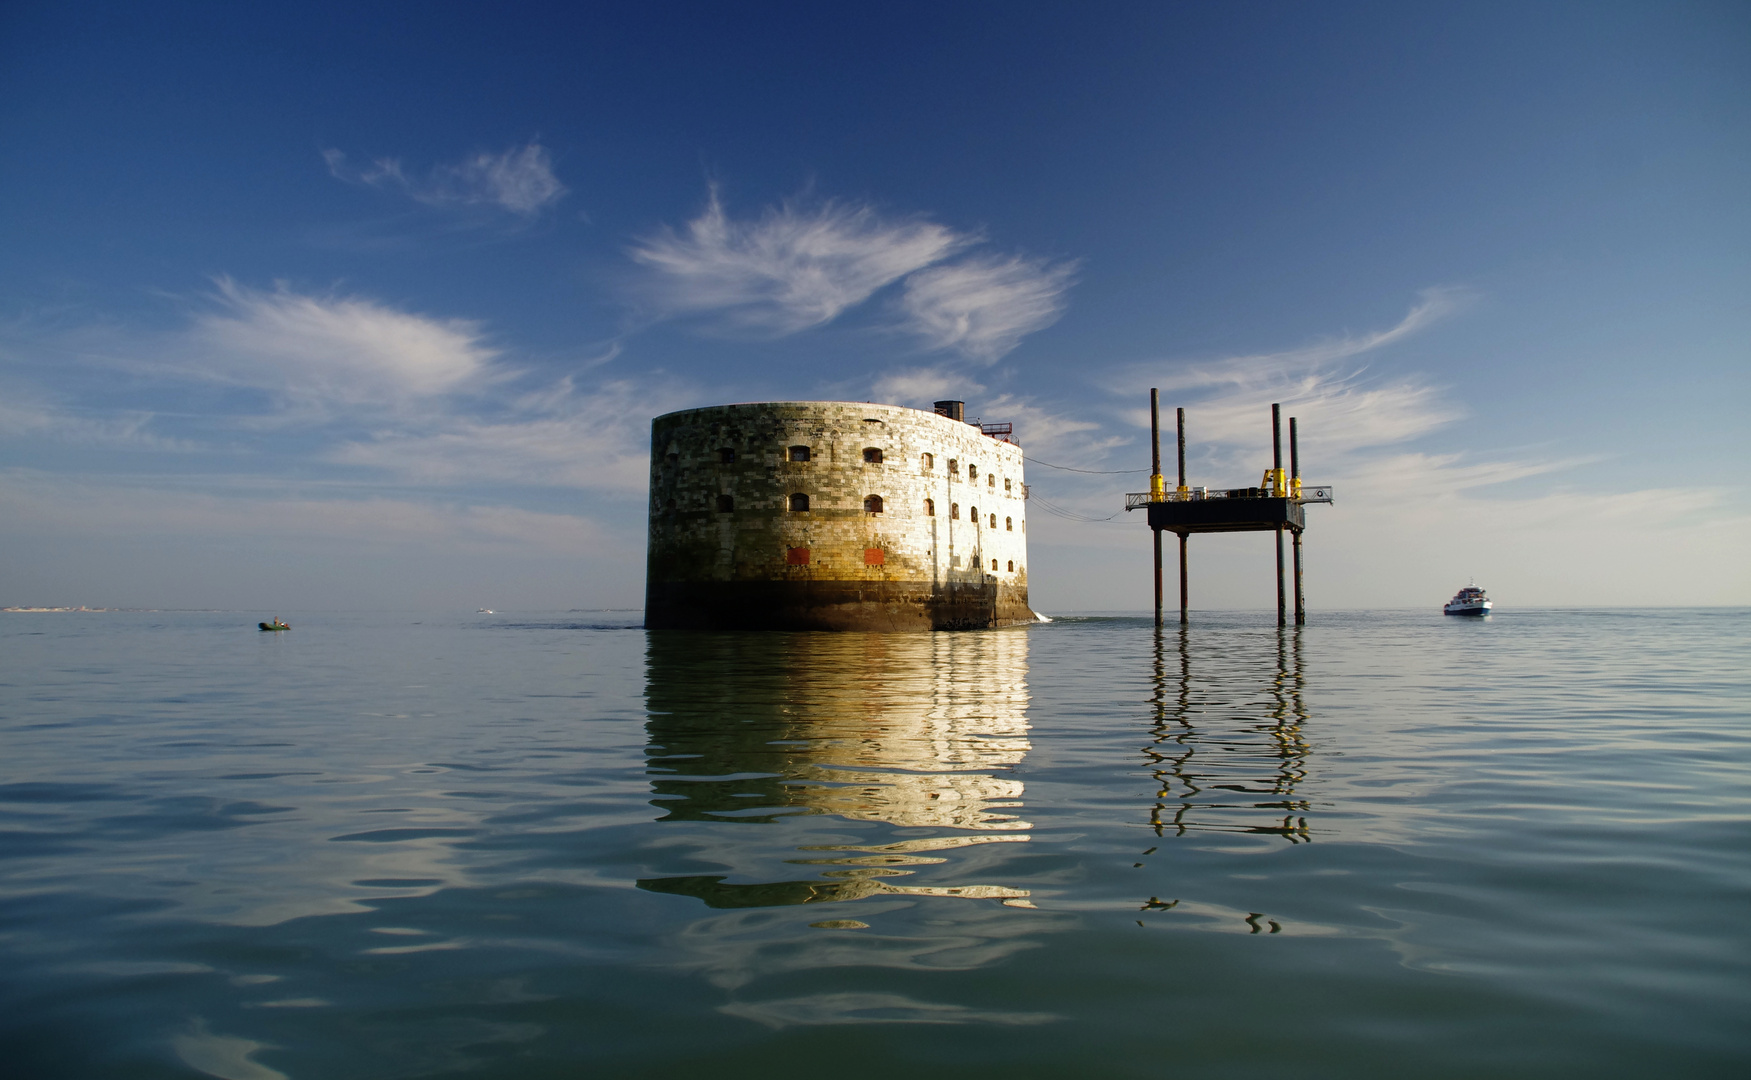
[1067, 514]
[1090, 472]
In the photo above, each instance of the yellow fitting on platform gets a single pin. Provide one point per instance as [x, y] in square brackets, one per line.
[1295, 487]
[1157, 488]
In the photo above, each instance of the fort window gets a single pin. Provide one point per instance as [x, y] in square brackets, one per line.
[929, 462]
[929, 507]
[994, 564]
[972, 471]
[973, 515]
[1012, 566]
[954, 511]
[796, 556]
[954, 467]
[799, 502]
[1006, 487]
[872, 455]
[1008, 524]
[799, 453]
[726, 504]
[993, 521]
[872, 504]
[874, 557]
[990, 480]
[727, 455]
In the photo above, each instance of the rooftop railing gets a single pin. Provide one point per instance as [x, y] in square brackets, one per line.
[1000, 432]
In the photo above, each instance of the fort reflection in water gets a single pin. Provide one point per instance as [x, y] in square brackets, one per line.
[915, 731]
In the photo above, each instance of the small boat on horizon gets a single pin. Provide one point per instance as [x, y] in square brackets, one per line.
[1468, 601]
[275, 625]
[486, 611]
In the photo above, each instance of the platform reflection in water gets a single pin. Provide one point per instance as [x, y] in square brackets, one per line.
[916, 731]
[1228, 749]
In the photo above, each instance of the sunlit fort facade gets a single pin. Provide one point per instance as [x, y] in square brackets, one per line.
[828, 515]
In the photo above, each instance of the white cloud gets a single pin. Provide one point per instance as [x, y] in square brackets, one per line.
[803, 264]
[42, 504]
[333, 348]
[984, 305]
[1408, 525]
[1340, 408]
[919, 388]
[348, 381]
[25, 415]
[796, 266]
[520, 180]
[559, 438]
[1432, 306]
[1046, 431]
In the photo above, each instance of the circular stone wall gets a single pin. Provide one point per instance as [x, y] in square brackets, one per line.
[833, 515]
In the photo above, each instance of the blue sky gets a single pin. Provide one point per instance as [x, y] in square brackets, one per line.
[327, 307]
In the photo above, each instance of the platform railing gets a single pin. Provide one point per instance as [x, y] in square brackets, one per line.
[1137, 500]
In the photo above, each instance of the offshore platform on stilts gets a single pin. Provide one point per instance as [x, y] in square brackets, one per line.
[1276, 505]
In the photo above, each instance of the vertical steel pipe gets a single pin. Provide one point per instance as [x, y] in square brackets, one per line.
[1184, 614]
[1276, 474]
[1295, 485]
[1276, 436]
[1182, 447]
[1282, 607]
[1154, 485]
[1294, 452]
[1154, 432]
[1300, 605]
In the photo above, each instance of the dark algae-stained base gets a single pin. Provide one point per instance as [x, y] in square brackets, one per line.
[1388, 844]
[836, 605]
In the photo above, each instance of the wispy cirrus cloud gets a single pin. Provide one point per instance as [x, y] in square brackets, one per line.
[804, 263]
[41, 503]
[1341, 405]
[982, 306]
[559, 437]
[26, 414]
[334, 348]
[798, 265]
[438, 404]
[332, 379]
[919, 387]
[519, 180]
[1433, 305]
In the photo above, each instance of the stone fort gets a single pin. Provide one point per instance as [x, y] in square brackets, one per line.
[831, 515]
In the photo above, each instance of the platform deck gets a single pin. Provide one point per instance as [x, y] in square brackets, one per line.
[1227, 515]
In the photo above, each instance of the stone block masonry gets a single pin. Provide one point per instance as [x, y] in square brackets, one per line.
[828, 515]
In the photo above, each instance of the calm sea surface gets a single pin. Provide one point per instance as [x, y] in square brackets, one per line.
[1391, 844]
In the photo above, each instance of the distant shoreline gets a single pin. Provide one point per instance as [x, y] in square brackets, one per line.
[82, 607]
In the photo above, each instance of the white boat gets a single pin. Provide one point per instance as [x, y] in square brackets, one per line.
[1468, 601]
